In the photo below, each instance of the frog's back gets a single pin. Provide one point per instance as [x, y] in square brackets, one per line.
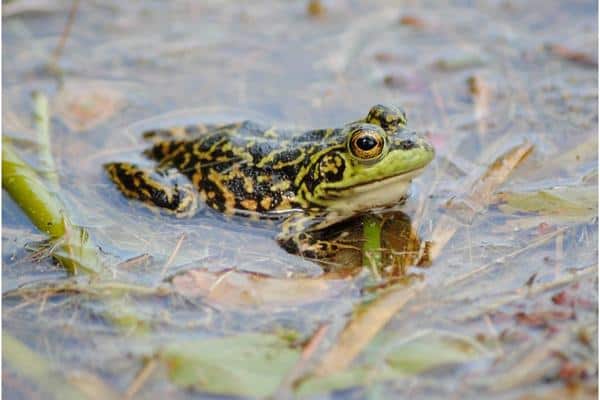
[243, 167]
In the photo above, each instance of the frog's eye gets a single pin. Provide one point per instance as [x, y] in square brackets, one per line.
[367, 143]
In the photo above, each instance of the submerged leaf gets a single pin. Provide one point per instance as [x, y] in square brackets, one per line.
[245, 289]
[85, 106]
[254, 364]
[245, 365]
[422, 352]
[563, 201]
[433, 349]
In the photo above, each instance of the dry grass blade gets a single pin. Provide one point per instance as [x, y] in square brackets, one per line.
[481, 93]
[285, 388]
[141, 378]
[91, 386]
[65, 34]
[578, 57]
[522, 292]
[359, 331]
[482, 192]
[534, 365]
[480, 195]
[173, 255]
[538, 242]
[134, 262]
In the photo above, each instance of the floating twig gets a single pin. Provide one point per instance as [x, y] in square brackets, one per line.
[141, 378]
[359, 331]
[292, 379]
[58, 50]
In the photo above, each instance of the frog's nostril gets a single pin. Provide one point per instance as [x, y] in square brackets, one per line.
[407, 144]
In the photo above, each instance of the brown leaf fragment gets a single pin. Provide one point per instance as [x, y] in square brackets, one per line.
[563, 298]
[85, 106]
[233, 288]
[572, 373]
[385, 57]
[411, 20]
[578, 57]
[544, 228]
[542, 318]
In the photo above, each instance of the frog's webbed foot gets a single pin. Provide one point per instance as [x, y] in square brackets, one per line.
[307, 245]
[165, 189]
[304, 235]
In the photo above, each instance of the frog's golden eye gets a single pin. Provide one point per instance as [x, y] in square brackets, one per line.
[367, 143]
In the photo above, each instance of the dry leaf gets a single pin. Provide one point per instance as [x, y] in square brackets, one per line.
[245, 289]
[85, 106]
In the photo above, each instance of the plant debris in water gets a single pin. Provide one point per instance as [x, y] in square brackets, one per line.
[506, 217]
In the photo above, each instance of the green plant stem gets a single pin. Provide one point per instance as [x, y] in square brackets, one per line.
[372, 243]
[75, 250]
[41, 118]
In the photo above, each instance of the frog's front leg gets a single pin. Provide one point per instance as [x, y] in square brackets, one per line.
[166, 189]
[303, 234]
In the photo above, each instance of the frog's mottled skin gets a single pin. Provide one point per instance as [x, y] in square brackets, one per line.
[306, 182]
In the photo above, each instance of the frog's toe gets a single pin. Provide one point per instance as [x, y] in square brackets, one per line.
[187, 201]
[305, 245]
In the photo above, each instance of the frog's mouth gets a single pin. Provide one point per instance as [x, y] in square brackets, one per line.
[382, 192]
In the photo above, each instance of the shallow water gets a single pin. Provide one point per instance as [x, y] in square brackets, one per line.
[130, 67]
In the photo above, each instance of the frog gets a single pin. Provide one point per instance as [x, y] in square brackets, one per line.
[301, 182]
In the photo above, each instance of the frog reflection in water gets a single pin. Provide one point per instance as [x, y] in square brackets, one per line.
[304, 182]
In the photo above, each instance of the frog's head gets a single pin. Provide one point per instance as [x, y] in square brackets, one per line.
[366, 166]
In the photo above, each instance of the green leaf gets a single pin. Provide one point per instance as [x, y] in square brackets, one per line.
[388, 358]
[352, 377]
[254, 365]
[431, 350]
[562, 201]
[246, 365]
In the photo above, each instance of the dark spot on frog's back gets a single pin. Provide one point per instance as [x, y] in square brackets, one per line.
[287, 156]
[313, 136]
[260, 150]
[209, 141]
[236, 185]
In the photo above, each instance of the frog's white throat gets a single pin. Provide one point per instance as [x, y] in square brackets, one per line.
[385, 192]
